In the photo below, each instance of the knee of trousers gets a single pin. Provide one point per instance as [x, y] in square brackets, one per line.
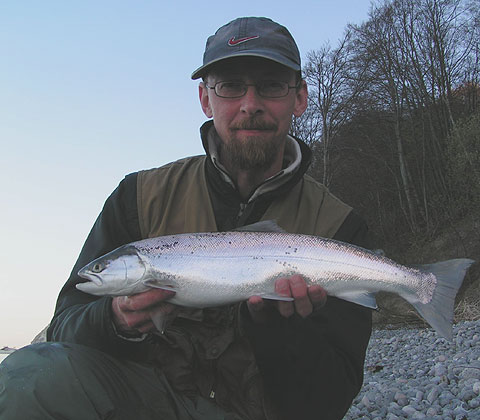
[41, 366]
[42, 376]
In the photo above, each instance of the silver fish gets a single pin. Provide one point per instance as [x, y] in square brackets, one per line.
[219, 268]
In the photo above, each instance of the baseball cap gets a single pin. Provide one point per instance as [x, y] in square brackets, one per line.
[251, 36]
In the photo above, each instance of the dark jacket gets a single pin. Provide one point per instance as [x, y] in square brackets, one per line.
[310, 368]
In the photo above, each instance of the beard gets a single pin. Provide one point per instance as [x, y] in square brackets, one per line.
[252, 152]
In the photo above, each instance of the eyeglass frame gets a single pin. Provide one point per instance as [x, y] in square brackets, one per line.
[256, 85]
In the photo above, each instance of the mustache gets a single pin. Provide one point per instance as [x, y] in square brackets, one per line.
[253, 124]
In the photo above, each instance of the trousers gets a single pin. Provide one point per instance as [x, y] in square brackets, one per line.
[64, 381]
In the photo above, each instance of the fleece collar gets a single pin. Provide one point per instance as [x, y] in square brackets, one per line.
[291, 164]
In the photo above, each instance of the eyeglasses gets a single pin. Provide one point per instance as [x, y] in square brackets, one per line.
[265, 88]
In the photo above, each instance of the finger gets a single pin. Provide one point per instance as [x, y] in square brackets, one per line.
[318, 296]
[282, 287]
[127, 321]
[134, 319]
[145, 300]
[255, 304]
[148, 320]
[256, 308]
[131, 313]
[302, 303]
[147, 327]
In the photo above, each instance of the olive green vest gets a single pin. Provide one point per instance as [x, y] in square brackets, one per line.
[212, 358]
[174, 199]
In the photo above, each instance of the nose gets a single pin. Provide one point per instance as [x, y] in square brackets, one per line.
[252, 102]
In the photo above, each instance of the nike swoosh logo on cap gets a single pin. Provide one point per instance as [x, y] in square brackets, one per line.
[232, 41]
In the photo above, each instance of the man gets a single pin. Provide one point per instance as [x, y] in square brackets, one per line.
[255, 360]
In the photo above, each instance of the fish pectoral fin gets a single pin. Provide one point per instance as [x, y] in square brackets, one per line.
[156, 284]
[274, 296]
[161, 320]
[360, 298]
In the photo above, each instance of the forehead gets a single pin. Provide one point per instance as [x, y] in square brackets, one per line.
[249, 67]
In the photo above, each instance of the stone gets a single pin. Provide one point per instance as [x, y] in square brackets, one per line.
[476, 387]
[409, 410]
[433, 395]
[474, 403]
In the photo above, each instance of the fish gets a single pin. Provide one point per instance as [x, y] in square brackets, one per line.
[211, 269]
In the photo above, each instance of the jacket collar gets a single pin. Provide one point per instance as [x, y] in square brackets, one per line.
[296, 161]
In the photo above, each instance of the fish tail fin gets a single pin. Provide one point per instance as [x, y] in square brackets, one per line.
[439, 311]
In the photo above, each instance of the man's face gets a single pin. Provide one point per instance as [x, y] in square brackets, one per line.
[252, 128]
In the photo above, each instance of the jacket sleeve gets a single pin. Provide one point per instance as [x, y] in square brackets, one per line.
[313, 368]
[86, 319]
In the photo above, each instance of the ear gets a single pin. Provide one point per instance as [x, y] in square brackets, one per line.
[205, 100]
[301, 99]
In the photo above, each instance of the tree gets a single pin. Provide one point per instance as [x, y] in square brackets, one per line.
[384, 109]
[333, 89]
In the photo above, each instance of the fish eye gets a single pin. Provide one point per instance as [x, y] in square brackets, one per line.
[98, 267]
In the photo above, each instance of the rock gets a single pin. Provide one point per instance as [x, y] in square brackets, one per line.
[466, 394]
[354, 412]
[476, 387]
[460, 411]
[409, 410]
[401, 399]
[474, 403]
[365, 401]
[470, 372]
[433, 395]
[440, 369]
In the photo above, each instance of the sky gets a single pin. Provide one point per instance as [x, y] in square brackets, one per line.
[91, 91]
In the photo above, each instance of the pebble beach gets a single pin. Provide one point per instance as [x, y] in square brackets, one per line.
[415, 374]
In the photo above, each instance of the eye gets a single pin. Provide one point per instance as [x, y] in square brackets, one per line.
[272, 86]
[98, 267]
[230, 87]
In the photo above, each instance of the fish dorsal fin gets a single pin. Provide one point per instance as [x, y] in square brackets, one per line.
[360, 298]
[262, 226]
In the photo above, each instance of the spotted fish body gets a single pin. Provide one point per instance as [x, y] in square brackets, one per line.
[219, 268]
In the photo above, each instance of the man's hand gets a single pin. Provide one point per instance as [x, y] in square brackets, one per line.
[134, 314]
[306, 299]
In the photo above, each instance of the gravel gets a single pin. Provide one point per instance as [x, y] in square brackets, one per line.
[414, 374]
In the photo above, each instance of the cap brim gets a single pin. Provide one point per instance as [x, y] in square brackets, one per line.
[267, 55]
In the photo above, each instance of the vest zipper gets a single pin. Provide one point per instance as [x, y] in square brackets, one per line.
[212, 393]
[242, 208]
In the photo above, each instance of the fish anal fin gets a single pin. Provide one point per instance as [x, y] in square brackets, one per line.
[274, 296]
[360, 298]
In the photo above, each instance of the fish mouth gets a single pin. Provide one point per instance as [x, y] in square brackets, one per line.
[94, 278]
